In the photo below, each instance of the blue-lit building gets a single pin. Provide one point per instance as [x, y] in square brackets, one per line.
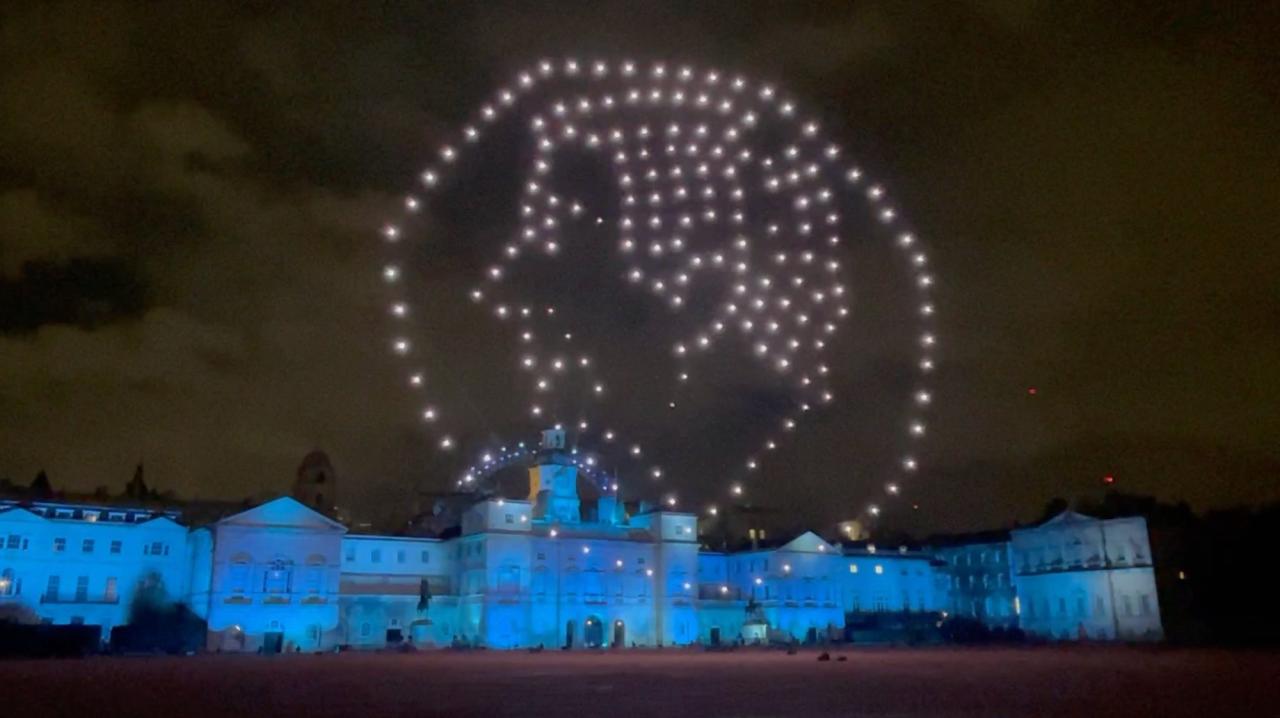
[542, 572]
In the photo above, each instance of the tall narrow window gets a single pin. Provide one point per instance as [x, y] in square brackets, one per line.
[82, 588]
[315, 579]
[277, 577]
[238, 574]
[52, 588]
[109, 591]
[8, 584]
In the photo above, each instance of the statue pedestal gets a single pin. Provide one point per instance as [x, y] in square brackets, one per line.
[420, 634]
[755, 632]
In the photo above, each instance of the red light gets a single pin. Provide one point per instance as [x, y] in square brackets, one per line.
[1108, 479]
[1031, 391]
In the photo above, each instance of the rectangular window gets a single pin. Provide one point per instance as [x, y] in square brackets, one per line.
[1144, 604]
[155, 549]
[315, 577]
[276, 579]
[853, 568]
[14, 541]
[400, 557]
[116, 547]
[879, 569]
[59, 545]
[52, 589]
[109, 591]
[509, 579]
[86, 546]
[426, 556]
[82, 588]
[239, 577]
[350, 554]
[375, 556]
[508, 518]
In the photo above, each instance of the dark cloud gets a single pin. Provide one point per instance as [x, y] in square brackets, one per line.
[186, 265]
[84, 292]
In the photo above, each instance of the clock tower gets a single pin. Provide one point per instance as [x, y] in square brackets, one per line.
[553, 482]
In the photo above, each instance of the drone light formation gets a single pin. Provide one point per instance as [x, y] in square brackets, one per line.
[724, 189]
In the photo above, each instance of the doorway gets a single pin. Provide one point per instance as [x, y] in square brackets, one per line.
[272, 642]
[619, 634]
[568, 634]
[593, 634]
[715, 635]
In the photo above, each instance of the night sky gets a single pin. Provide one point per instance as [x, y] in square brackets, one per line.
[190, 193]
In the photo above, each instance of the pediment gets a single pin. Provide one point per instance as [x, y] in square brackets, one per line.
[284, 512]
[1068, 517]
[808, 542]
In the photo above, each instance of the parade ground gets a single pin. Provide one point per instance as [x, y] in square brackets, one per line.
[1043, 681]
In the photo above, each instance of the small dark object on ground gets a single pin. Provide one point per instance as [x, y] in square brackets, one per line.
[842, 659]
[824, 656]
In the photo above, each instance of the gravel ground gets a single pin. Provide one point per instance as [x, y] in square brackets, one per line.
[1048, 681]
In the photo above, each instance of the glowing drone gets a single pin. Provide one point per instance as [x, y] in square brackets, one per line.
[723, 183]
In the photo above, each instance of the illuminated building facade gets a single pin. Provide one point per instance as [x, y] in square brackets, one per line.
[542, 572]
[1081, 578]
